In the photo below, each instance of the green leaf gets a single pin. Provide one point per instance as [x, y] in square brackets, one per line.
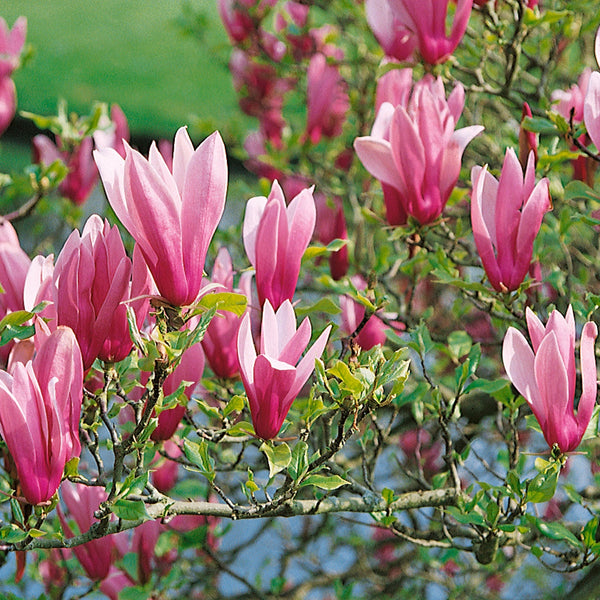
[388, 495]
[130, 510]
[198, 455]
[227, 301]
[241, 428]
[71, 468]
[557, 531]
[134, 332]
[487, 386]
[539, 125]
[537, 551]
[198, 333]
[134, 593]
[325, 482]
[578, 189]
[299, 463]
[543, 486]
[236, 404]
[459, 343]
[492, 511]
[279, 456]
[324, 305]
[12, 534]
[591, 431]
[470, 518]
[532, 423]
[350, 383]
[318, 250]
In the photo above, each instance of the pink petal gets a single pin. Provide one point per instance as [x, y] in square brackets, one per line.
[204, 194]
[255, 208]
[589, 377]
[519, 361]
[552, 380]
[591, 109]
[376, 156]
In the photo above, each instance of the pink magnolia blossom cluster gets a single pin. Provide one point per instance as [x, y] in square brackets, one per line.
[414, 149]
[404, 27]
[274, 376]
[545, 374]
[11, 47]
[172, 215]
[40, 405]
[506, 216]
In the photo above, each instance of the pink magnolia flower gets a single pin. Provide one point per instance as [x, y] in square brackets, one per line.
[396, 87]
[14, 264]
[11, 45]
[427, 20]
[96, 556]
[331, 225]
[392, 34]
[143, 544]
[40, 405]
[165, 471]
[506, 216]
[219, 341]
[241, 17]
[82, 176]
[416, 152]
[326, 100]
[274, 377]
[275, 238]
[573, 99]
[172, 216]
[53, 571]
[115, 582]
[545, 376]
[92, 278]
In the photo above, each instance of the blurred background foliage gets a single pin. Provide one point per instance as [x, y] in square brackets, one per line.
[164, 63]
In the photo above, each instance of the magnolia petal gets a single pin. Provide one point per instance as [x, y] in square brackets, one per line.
[536, 328]
[376, 157]
[591, 108]
[273, 379]
[203, 202]
[552, 380]
[483, 204]
[183, 150]
[246, 352]
[255, 207]
[519, 361]
[306, 366]
[589, 377]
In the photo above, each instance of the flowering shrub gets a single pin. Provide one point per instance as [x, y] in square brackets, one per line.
[391, 329]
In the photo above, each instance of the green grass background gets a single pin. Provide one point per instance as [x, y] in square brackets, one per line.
[132, 52]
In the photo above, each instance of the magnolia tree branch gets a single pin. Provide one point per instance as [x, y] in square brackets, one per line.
[166, 508]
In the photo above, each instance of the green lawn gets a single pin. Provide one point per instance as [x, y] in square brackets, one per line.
[132, 52]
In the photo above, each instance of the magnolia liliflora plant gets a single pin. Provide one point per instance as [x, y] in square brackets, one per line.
[375, 369]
